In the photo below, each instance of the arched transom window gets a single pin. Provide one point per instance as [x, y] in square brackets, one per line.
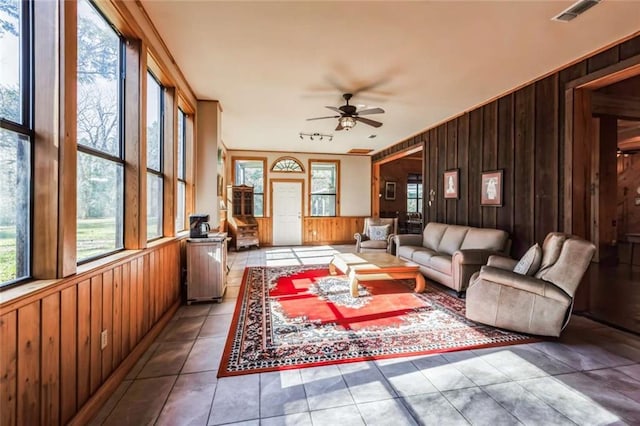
[287, 164]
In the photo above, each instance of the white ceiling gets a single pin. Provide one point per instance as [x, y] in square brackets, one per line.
[274, 64]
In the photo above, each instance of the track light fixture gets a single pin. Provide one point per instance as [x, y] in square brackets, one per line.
[316, 135]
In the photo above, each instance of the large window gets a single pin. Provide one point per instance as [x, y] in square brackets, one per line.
[251, 172]
[99, 131]
[181, 196]
[154, 157]
[15, 142]
[414, 193]
[324, 177]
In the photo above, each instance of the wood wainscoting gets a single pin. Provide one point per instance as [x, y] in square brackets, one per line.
[331, 230]
[52, 366]
[265, 230]
[317, 230]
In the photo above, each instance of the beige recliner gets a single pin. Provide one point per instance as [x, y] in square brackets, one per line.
[539, 304]
[364, 241]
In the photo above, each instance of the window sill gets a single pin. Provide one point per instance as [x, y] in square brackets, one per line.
[34, 289]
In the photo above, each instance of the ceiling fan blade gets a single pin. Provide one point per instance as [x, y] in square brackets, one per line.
[369, 122]
[334, 109]
[371, 86]
[371, 111]
[322, 118]
[339, 127]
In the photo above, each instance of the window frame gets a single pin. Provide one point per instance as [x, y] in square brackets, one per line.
[287, 158]
[416, 180]
[120, 160]
[263, 160]
[336, 164]
[181, 125]
[25, 128]
[159, 173]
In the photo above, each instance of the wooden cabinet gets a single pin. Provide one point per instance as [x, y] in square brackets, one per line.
[207, 268]
[243, 227]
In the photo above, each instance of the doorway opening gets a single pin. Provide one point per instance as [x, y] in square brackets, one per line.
[602, 190]
[398, 191]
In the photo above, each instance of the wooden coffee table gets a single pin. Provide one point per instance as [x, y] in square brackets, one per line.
[375, 266]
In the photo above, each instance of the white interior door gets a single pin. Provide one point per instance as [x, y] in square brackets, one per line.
[287, 213]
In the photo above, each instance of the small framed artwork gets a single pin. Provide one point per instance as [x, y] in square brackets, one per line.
[389, 190]
[491, 188]
[220, 186]
[451, 183]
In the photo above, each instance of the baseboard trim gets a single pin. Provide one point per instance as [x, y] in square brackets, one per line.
[98, 399]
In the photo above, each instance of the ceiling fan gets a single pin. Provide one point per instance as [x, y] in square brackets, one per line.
[349, 115]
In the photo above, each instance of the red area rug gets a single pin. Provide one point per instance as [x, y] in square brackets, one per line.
[294, 317]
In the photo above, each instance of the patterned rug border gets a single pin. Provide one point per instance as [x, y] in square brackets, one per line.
[226, 355]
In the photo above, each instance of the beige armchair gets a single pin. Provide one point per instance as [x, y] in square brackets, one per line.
[364, 241]
[538, 304]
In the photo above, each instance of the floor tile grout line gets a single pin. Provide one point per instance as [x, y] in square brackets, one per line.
[118, 401]
[533, 395]
[570, 349]
[461, 413]
[625, 374]
[164, 403]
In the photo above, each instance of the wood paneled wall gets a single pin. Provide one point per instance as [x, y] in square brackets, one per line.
[628, 181]
[331, 230]
[317, 230]
[265, 230]
[51, 361]
[517, 134]
[521, 133]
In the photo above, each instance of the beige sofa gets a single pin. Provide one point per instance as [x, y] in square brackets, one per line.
[450, 254]
[537, 304]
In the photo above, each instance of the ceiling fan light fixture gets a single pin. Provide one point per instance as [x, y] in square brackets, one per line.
[347, 122]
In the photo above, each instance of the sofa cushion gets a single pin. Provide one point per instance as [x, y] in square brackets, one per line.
[485, 239]
[551, 249]
[378, 232]
[422, 255]
[374, 244]
[406, 252]
[441, 264]
[452, 239]
[432, 234]
[530, 262]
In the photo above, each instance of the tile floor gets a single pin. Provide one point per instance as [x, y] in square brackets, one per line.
[589, 376]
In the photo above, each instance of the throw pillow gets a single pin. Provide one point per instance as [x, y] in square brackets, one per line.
[552, 248]
[378, 232]
[530, 262]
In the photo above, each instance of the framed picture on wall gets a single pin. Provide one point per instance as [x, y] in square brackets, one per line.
[389, 190]
[451, 183]
[491, 189]
[220, 186]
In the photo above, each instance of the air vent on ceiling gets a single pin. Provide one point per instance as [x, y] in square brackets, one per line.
[359, 151]
[575, 10]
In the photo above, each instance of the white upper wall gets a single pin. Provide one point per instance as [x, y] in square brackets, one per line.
[355, 178]
[206, 159]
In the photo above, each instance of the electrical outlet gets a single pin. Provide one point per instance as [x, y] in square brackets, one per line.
[104, 339]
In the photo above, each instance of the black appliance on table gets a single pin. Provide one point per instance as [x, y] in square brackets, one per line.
[199, 226]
